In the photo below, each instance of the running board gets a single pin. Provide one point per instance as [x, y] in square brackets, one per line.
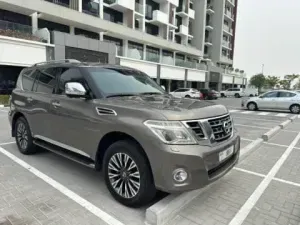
[66, 153]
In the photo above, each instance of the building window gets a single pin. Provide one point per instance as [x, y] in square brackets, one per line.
[150, 7]
[152, 54]
[90, 7]
[118, 42]
[152, 29]
[135, 50]
[53, 26]
[86, 33]
[113, 15]
[84, 55]
[178, 39]
[15, 17]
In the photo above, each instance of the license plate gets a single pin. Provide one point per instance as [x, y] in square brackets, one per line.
[225, 154]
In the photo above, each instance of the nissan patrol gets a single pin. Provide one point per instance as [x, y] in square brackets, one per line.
[119, 120]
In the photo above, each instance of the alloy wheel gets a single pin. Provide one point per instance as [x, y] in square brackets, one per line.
[251, 106]
[295, 109]
[22, 135]
[124, 175]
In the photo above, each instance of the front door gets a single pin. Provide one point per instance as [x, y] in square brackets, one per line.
[268, 100]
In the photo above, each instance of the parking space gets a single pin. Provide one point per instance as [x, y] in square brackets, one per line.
[90, 200]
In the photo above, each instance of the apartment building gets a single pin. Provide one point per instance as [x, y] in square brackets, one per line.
[179, 43]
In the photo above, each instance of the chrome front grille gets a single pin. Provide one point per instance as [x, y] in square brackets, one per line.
[216, 129]
[195, 126]
[221, 127]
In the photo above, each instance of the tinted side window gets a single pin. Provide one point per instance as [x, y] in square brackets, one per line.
[45, 81]
[27, 79]
[271, 94]
[70, 74]
[229, 89]
[286, 94]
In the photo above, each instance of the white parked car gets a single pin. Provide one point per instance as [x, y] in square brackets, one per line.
[186, 93]
[240, 92]
[275, 100]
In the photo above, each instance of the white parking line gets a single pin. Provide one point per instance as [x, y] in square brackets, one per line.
[7, 143]
[263, 113]
[249, 172]
[281, 114]
[287, 182]
[247, 112]
[67, 192]
[252, 200]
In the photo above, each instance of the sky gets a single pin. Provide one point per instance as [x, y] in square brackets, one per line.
[268, 32]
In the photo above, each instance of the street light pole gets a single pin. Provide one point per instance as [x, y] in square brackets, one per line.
[262, 68]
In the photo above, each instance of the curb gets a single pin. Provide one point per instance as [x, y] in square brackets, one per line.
[270, 133]
[165, 210]
[285, 123]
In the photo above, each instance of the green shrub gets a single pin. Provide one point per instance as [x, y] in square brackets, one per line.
[4, 99]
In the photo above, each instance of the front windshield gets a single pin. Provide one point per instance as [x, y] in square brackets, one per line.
[113, 81]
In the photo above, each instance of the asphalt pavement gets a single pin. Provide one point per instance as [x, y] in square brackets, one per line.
[263, 189]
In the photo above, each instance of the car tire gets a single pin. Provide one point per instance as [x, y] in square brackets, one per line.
[137, 183]
[252, 106]
[251, 95]
[24, 138]
[187, 96]
[295, 109]
[223, 95]
[237, 95]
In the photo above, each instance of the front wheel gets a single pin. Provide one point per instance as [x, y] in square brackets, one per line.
[295, 109]
[252, 106]
[187, 96]
[128, 175]
[24, 139]
[223, 95]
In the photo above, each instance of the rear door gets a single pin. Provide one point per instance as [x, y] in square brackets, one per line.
[43, 89]
[286, 99]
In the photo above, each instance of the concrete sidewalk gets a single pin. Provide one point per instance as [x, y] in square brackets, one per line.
[27, 199]
[263, 189]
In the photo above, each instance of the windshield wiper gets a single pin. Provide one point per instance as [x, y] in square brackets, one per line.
[151, 93]
[120, 95]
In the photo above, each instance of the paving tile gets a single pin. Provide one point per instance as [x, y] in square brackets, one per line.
[263, 159]
[283, 138]
[284, 210]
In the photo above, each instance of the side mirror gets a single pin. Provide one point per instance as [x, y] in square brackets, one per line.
[75, 90]
[163, 87]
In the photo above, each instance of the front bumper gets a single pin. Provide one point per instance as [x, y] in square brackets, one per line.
[201, 163]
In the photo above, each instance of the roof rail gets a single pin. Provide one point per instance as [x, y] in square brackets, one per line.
[57, 61]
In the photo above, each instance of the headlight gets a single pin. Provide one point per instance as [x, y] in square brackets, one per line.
[171, 132]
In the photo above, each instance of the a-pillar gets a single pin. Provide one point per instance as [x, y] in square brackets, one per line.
[34, 22]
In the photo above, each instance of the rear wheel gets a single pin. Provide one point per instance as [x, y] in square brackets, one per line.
[252, 106]
[237, 95]
[295, 109]
[251, 95]
[187, 96]
[24, 139]
[128, 175]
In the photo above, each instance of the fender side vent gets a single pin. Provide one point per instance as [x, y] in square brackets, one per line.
[105, 111]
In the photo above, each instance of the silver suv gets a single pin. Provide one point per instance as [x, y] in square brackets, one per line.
[119, 120]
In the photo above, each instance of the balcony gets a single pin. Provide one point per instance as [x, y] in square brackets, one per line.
[16, 30]
[228, 30]
[192, 13]
[210, 9]
[229, 15]
[65, 3]
[227, 45]
[139, 8]
[183, 31]
[120, 5]
[209, 25]
[226, 59]
[208, 42]
[173, 2]
[158, 18]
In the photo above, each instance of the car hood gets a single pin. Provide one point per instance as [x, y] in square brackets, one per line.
[169, 107]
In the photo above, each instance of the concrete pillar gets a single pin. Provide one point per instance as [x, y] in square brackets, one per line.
[233, 81]
[160, 55]
[169, 86]
[158, 74]
[220, 82]
[101, 34]
[143, 2]
[101, 13]
[174, 57]
[144, 52]
[206, 85]
[34, 22]
[72, 30]
[185, 78]
[125, 48]
[80, 5]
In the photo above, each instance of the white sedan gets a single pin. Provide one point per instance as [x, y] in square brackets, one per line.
[186, 93]
[275, 100]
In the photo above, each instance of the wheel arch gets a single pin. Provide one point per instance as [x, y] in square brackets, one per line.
[16, 116]
[252, 102]
[110, 138]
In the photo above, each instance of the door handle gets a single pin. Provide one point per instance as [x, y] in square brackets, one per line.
[56, 104]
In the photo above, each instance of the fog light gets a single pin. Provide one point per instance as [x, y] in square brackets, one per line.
[180, 175]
